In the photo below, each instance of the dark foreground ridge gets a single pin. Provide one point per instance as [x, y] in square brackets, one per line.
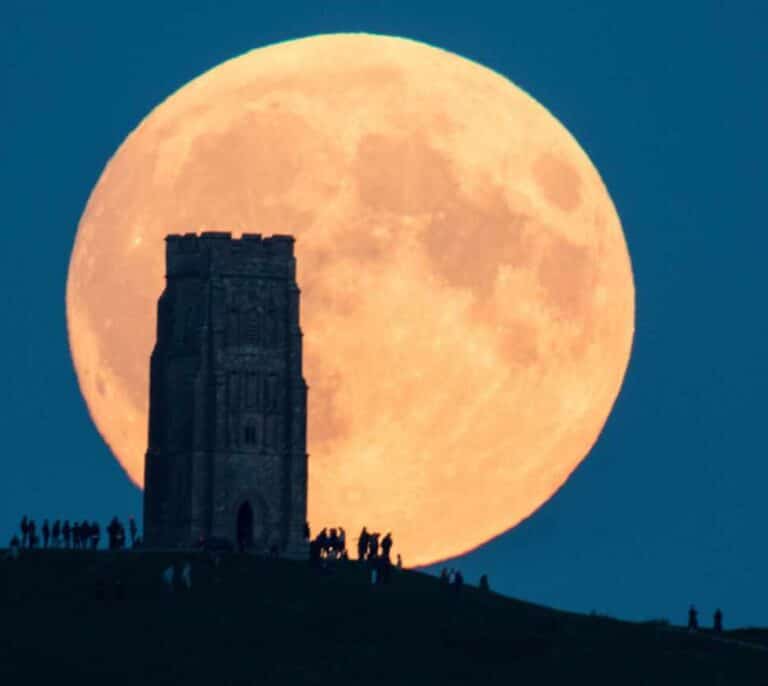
[107, 617]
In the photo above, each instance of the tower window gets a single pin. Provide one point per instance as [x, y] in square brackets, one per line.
[250, 435]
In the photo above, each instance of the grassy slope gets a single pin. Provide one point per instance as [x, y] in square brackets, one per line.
[264, 622]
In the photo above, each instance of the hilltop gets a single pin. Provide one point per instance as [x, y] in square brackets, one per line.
[83, 617]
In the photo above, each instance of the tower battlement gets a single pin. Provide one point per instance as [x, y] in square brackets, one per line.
[192, 254]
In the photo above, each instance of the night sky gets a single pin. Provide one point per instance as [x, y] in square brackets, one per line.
[670, 102]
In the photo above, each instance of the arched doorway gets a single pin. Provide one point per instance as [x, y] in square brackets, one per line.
[244, 527]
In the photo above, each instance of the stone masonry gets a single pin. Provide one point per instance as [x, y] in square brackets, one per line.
[228, 402]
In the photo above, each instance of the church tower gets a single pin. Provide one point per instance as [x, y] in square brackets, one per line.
[227, 401]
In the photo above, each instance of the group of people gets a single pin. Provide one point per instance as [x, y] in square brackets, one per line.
[329, 544]
[372, 548]
[77, 536]
[693, 620]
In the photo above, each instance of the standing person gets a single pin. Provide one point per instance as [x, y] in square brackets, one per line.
[168, 577]
[484, 586]
[32, 533]
[67, 531]
[186, 575]
[85, 534]
[693, 619]
[24, 531]
[56, 533]
[718, 623]
[76, 535]
[46, 533]
[386, 546]
[133, 530]
[362, 544]
[373, 546]
[95, 535]
[342, 543]
[399, 562]
[13, 549]
[112, 532]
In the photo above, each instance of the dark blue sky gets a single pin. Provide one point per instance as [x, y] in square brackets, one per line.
[670, 102]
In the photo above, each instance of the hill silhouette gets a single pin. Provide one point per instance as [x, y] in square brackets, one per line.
[87, 617]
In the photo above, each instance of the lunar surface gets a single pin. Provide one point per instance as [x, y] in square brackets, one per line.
[467, 294]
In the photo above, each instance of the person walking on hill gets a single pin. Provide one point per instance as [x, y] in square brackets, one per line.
[13, 549]
[66, 530]
[186, 575]
[85, 534]
[373, 546]
[95, 535]
[693, 619]
[32, 530]
[56, 533]
[386, 546]
[484, 586]
[24, 531]
[362, 544]
[112, 532]
[718, 623]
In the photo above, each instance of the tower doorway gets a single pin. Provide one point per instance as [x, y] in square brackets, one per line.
[245, 527]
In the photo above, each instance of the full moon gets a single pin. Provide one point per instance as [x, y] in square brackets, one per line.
[467, 298]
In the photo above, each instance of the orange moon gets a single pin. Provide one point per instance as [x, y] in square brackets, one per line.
[467, 294]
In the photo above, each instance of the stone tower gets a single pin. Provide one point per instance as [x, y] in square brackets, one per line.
[227, 401]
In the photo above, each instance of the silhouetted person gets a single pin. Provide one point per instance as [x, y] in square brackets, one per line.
[484, 586]
[133, 530]
[85, 534]
[113, 533]
[120, 536]
[386, 546]
[307, 534]
[444, 577]
[186, 575]
[373, 546]
[46, 531]
[718, 623]
[399, 562]
[342, 543]
[66, 530]
[24, 531]
[322, 541]
[32, 531]
[333, 543]
[14, 548]
[168, 576]
[95, 535]
[76, 535]
[56, 533]
[693, 619]
[458, 580]
[362, 544]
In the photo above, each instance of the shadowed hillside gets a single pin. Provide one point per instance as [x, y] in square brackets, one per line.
[90, 617]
